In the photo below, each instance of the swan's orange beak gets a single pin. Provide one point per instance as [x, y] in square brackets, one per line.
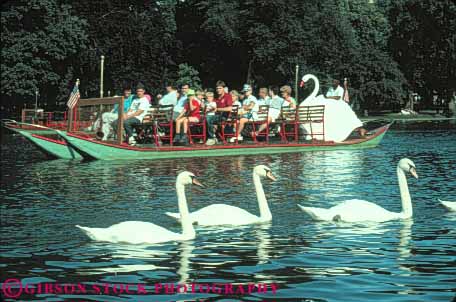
[197, 183]
[413, 172]
[270, 176]
[301, 84]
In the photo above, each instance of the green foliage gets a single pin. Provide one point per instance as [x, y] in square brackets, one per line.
[384, 47]
[423, 42]
[188, 75]
[40, 38]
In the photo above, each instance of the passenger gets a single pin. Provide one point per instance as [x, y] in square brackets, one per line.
[170, 98]
[248, 106]
[335, 92]
[275, 103]
[191, 113]
[200, 97]
[135, 114]
[235, 97]
[263, 97]
[108, 117]
[287, 99]
[181, 101]
[224, 106]
[211, 105]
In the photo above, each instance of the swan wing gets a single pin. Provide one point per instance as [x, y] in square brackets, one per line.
[317, 213]
[360, 210]
[134, 232]
[449, 205]
[173, 215]
[222, 214]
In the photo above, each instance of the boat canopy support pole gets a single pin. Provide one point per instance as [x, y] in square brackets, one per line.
[120, 113]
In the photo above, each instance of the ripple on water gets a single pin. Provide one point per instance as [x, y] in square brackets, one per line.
[411, 260]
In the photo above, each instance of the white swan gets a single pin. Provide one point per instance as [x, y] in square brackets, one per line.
[340, 119]
[222, 214]
[359, 210]
[313, 95]
[136, 232]
[449, 205]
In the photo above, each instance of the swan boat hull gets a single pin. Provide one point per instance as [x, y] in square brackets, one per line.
[50, 146]
[90, 148]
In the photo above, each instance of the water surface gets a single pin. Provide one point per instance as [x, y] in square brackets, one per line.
[412, 260]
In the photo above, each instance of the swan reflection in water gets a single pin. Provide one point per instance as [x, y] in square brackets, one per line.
[360, 240]
[162, 255]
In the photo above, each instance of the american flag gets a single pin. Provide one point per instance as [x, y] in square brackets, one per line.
[74, 97]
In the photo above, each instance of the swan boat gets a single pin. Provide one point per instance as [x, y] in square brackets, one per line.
[79, 145]
[76, 142]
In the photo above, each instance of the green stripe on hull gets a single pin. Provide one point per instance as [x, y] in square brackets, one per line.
[95, 150]
[53, 149]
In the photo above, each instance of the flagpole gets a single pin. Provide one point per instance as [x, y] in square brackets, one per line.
[101, 75]
[70, 114]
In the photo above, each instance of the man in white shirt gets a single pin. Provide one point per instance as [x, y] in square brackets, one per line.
[336, 92]
[135, 114]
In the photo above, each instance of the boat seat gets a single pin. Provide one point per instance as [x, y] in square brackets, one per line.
[287, 122]
[197, 129]
[311, 115]
[232, 121]
[262, 117]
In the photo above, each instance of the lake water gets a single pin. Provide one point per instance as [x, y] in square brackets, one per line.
[412, 260]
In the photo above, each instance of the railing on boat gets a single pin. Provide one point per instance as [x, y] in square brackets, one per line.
[87, 115]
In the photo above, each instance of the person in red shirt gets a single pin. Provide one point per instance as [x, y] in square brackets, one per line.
[224, 107]
[191, 113]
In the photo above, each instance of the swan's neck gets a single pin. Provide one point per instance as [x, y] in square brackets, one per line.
[405, 194]
[188, 232]
[314, 92]
[265, 213]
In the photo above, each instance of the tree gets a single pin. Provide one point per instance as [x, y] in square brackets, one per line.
[137, 39]
[423, 41]
[40, 40]
[188, 75]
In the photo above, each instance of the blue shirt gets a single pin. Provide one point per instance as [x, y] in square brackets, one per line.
[169, 99]
[127, 104]
[180, 103]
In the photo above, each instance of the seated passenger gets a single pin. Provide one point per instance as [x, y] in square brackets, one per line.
[275, 103]
[335, 92]
[191, 113]
[108, 117]
[247, 111]
[224, 107]
[286, 95]
[263, 97]
[181, 101]
[200, 97]
[170, 98]
[210, 104]
[135, 114]
[235, 97]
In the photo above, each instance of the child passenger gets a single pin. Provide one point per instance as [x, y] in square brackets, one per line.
[191, 113]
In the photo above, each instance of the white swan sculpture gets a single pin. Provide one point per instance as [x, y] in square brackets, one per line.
[222, 214]
[449, 205]
[359, 210]
[340, 119]
[137, 232]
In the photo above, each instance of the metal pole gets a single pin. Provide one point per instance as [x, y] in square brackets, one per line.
[101, 76]
[296, 83]
[36, 102]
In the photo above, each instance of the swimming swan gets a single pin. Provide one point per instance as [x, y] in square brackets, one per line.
[136, 232]
[449, 205]
[359, 210]
[222, 214]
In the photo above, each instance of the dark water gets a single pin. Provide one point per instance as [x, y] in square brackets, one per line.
[410, 260]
